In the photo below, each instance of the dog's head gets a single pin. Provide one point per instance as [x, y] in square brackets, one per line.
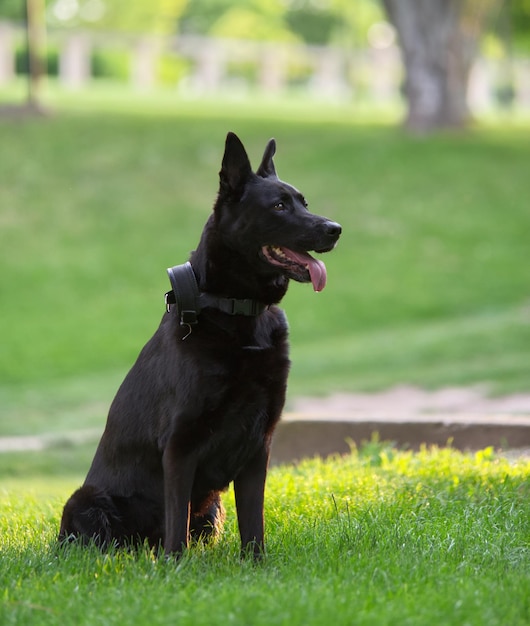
[267, 220]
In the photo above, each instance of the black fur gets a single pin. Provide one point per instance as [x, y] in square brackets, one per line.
[194, 415]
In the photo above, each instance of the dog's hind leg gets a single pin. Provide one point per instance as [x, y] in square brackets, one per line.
[207, 517]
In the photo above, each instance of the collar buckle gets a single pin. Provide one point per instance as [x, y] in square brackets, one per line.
[188, 318]
[244, 307]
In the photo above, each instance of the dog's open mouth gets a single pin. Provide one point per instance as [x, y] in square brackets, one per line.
[299, 265]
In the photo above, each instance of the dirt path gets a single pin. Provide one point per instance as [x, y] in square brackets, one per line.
[409, 401]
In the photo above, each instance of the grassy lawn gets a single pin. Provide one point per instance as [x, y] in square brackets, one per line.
[379, 537]
[429, 284]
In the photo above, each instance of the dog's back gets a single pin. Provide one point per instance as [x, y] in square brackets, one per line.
[198, 408]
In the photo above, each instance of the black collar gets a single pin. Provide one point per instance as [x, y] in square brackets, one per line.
[190, 301]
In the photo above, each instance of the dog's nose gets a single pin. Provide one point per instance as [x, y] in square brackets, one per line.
[332, 229]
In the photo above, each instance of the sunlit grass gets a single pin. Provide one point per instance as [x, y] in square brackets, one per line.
[377, 537]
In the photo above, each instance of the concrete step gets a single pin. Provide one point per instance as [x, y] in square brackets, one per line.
[306, 435]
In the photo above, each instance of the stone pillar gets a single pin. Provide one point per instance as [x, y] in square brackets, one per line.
[143, 63]
[272, 69]
[74, 62]
[328, 80]
[210, 66]
[384, 74]
[7, 54]
[522, 83]
[479, 87]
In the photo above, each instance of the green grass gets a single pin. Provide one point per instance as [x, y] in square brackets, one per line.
[379, 537]
[428, 286]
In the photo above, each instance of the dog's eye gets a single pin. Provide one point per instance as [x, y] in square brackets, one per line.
[279, 206]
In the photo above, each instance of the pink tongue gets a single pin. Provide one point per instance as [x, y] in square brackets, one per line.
[317, 269]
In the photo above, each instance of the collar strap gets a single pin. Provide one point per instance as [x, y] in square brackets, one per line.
[190, 301]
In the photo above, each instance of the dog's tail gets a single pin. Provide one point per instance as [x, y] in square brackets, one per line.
[91, 516]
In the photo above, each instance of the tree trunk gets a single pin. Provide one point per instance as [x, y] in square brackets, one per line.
[35, 38]
[438, 40]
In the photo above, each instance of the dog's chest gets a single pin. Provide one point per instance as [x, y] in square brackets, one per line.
[243, 390]
[243, 402]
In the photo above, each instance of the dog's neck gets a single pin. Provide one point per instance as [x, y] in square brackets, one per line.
[190, 301]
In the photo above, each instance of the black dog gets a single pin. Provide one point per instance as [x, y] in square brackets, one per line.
[199, 406]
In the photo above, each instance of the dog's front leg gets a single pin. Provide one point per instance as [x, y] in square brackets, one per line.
[179, 472]
[249, 488]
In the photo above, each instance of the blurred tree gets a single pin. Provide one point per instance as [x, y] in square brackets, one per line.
[199, 16]
[315, 22]
[519, 23]
[35, 29]
[137, 16]
[356, 19]
[259, 20]
[245, 19]
[32, 13]
[439, 40]
[12, 9]
[153, 16]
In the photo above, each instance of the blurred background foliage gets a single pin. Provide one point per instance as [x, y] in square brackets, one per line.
[429, 285]
[311, 21]
[439, 41]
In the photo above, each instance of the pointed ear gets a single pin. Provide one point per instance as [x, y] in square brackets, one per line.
[266, 168]
[236, 169]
